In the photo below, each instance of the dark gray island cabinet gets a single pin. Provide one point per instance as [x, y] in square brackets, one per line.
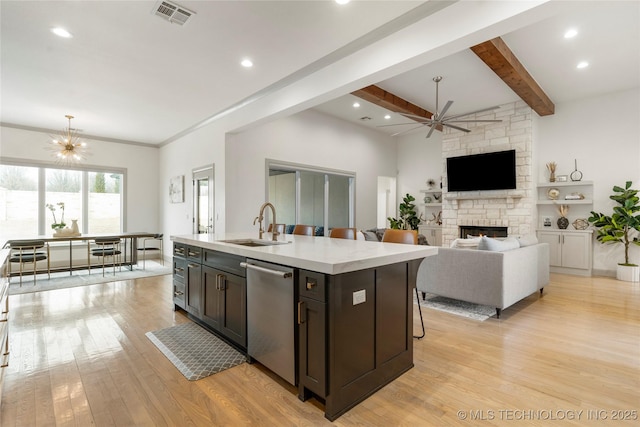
[353, 311]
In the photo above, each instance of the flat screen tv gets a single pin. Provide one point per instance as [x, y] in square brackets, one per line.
[487, 171]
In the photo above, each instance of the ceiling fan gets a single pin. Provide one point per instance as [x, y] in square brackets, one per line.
[439, 119]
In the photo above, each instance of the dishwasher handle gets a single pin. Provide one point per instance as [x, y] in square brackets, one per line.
[279, 273]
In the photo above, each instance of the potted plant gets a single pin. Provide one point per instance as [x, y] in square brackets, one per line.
[408, 219]
[622, 226]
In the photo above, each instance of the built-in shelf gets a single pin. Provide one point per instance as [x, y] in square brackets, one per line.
[565, 184]
[566, 202]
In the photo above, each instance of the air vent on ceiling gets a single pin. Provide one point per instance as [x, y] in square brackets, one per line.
[173, 13]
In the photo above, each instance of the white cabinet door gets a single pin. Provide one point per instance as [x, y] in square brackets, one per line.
[554, 239]
[575, 253]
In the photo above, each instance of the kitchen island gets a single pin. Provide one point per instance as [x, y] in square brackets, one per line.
[347, 309]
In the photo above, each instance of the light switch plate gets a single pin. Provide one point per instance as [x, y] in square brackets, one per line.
[359, 297]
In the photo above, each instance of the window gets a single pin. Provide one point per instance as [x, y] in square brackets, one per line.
[93, 197]
[311, 196]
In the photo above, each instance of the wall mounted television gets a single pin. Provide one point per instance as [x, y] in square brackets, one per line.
[486, 171]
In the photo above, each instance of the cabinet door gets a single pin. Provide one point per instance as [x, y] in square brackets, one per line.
[212, 296]
[233, 322]
[575, 250]
[554, 239]
[193, 298]
[312, 348]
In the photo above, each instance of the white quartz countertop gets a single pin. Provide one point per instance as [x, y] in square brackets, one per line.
[321, 254]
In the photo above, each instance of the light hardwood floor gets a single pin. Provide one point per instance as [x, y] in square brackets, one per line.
[79, 357]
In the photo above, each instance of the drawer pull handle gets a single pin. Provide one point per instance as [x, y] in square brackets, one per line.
[311, 284]
[193, 265]
[178, 293]
[301, 312]
[178, 269]
[179, 251]
[194, 254]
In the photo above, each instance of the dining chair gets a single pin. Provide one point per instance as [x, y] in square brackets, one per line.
[408, 237]
[107, 247]
[29, 252]
[279, 228]
[343, 233]
[304, 230]
[144, 249]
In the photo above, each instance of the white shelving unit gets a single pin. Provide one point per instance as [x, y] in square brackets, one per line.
[433, 233]
[570, 250]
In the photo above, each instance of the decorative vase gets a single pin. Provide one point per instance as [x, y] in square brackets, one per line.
[552, 177]
[74, 227]
[628, 273]
[563, 223]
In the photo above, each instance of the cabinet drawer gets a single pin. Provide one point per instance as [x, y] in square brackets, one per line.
[179, 269]
[194, 254]
[226, 262]
[312, 285]
[179, 250]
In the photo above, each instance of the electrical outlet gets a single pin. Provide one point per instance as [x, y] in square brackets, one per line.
[359, 297]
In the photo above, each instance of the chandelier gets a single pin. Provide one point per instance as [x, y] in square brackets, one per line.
[67, 148]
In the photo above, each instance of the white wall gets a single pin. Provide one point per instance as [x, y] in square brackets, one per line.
[308, 138]
[141, 163]
[603, 135]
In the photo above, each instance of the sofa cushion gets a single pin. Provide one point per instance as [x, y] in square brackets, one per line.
[489, 244]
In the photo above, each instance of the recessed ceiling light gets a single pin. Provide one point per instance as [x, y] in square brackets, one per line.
[570, 33]
[387, 116]
[61, 32]
[582, 64]
[247, 63]
[342, 1]
[356, 104]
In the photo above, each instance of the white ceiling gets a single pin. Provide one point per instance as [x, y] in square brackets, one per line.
[129, 75]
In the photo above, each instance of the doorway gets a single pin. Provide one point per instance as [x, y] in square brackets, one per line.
[203, 209]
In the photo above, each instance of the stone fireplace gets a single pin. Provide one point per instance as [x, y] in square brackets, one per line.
[512, 211]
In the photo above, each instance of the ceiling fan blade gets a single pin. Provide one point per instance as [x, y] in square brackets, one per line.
[444, 110]
[405, 131]
[472, 121]
[413, 116]
[433, 127]
[473, 112]
[456, 127]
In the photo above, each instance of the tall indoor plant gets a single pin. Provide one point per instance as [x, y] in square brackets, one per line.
[408, 219]
[622, 226]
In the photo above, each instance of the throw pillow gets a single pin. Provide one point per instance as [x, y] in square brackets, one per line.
[489, 244]
[529, 240]
[468, 243]
[370, 236]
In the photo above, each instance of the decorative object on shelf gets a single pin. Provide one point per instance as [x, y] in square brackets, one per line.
[553, 194]
[439, 218]
[574, 196]
[427, 199]
[547, 222]
[74, 227]
[431, 183]
[580, 224]
[408, 219]
[562, 178]
[437, 197]
[551, 167]
[176, 189]
[563, 222]
[67, 147]
[622, 226]
[576, 175]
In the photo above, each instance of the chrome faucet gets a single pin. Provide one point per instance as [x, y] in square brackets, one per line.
[260, 217]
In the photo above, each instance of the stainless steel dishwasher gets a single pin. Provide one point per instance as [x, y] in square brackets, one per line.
[270, 317]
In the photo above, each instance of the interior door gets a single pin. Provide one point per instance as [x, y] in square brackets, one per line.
[203, 212]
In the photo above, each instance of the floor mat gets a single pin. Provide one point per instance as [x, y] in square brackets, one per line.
[196, 352]
[457, 307]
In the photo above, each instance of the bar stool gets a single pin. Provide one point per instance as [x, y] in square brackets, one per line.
[107, 246]
[144, 248]
[27, 252]
[343, 233]
[304, 230]
[409, 237]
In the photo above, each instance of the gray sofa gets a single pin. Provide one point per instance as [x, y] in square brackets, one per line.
[495, 278]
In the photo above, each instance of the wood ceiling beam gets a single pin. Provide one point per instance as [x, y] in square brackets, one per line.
[380, 97]
[497, 55]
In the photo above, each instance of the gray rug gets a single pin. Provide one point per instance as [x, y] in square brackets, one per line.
[459, 308]
[196, 352]
[63, 280]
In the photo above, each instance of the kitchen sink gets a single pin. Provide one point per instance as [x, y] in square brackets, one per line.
[253, 242]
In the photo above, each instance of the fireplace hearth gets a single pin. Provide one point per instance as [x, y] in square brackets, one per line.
[481, 230]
